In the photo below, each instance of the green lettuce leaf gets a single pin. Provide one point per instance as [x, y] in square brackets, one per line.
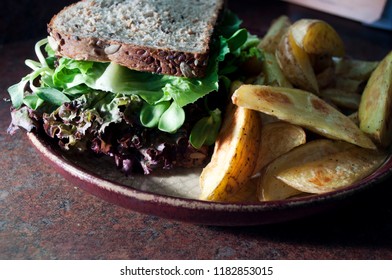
[151, 114]
[172, 119]
[206, 130]
[105, 88]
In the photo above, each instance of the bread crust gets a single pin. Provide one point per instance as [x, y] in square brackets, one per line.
[141, 58]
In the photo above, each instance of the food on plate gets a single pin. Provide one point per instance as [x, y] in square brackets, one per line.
[270, 187]
[268, 118]
[308, 98]
[326, 77]
[341, 98]
[354, 69]
[277, 138]
[296, 64]
[139, 81]
[270, 41]
[328, 172]
[235, 155]
[348, 84]
[272, 73]
[374, 112]
[315, 36]
[305, 54]
[301, 108]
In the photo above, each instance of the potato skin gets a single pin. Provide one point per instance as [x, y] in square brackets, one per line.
[226, 177]
[277, 138]
[278, 28]
[270, 187]
[375, 115]
[296, 65]
[333, 171]
[315, 36]
[301, 108]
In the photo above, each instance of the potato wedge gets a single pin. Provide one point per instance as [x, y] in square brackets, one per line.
[271, 39]
[317, 37]
[354, 118]
[348, 85]
[296, 65]
[326, 78]
[278, 138]
[375, 116]
[234, 159]
[354, 69]
[273, 73]
[342, 99]
[301, 108]
[271, 188]
[248, 193]
[333, 171]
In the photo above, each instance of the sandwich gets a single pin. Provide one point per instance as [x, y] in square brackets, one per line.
[142, 81]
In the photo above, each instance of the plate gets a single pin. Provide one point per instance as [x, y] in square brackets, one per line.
[173, 194]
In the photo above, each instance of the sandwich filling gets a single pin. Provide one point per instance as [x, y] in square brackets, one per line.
[143, 120]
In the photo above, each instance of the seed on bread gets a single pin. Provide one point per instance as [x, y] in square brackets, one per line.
[186, 70]
[111, 49]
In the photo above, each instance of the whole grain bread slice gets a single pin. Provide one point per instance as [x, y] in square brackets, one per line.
[159, 36]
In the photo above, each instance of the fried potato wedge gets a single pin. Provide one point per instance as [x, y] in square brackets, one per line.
[278, 138]
[354, 118]
[375, 116]
[348, 85]
[326, 78]
[233, 161]
[248, 192]
[301, 108]
[317, 37]
[273, 73]
[354, 69]
[271, 39]
[333, 171]
[272, 188]
[342, 99]
[296, 65]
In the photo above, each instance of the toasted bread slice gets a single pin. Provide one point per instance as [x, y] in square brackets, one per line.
[162, 36]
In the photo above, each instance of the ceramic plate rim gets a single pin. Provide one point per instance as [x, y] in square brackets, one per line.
[81, 176]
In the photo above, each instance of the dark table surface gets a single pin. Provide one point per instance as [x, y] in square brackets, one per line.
[42, 216]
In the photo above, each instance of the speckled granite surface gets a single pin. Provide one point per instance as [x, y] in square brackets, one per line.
[42, 216]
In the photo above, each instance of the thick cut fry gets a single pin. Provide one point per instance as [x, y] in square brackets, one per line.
[348, 85]
[248, 193]
[317, 37]
[343, 99]
[234, 159]
[354, 69]
[273, 73]
[271, 188]
[375, 116]
[278, 28]
[326, 78]
[354, 118]
[278, 138]
[333, 171]
[301, 108]
[296, 65]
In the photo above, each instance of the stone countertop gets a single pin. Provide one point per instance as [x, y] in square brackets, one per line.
[43, 216]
